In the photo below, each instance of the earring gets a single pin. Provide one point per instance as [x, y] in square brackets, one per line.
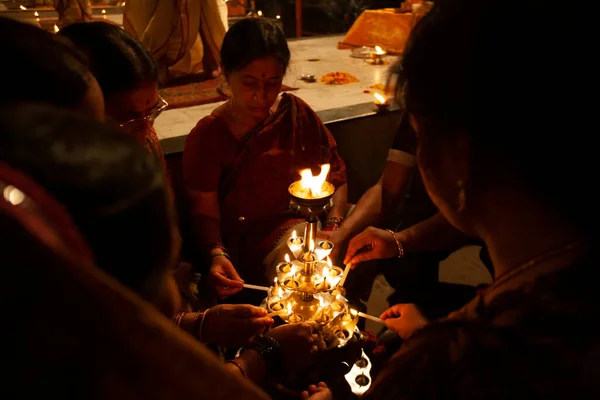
[462, 197]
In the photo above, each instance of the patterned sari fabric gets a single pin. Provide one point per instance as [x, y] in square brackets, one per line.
[76, 332]
[252, 176]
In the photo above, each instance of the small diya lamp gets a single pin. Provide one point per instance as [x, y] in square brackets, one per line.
[293, 316]
[285, 269]
[334, 274]
[295, 244]
[381, 102]
[323, 249]
[377, 56]
[324, 285]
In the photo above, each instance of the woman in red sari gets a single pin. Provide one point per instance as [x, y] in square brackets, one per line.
[240, 160]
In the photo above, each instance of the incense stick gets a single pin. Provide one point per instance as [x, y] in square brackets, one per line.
[346, 271]
[256, 287]
[372, 318]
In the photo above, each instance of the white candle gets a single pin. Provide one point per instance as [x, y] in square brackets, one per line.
[276, 313]
[256, 287]
[346, 271]
[372, 318]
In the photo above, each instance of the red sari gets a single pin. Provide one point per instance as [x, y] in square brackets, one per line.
[252, 176]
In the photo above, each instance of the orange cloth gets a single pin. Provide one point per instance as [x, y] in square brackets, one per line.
[385, 28]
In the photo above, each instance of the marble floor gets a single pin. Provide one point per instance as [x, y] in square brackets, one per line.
[314, 56]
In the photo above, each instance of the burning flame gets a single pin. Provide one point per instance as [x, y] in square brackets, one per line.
[103, 11]
[294, 234]
[56, 28]
[289, 308]
[379, 98]
[278, 16]
[22, 7]
[314, 184]
[329, 262]
[379, 50]
[311, 245]
[287, 259]
[325, 273]
[354, 312]
[36, 14]
[260, 13]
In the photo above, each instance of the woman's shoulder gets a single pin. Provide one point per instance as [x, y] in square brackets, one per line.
[209, 125]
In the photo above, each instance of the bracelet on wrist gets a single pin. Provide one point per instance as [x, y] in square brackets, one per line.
[398, 244]
[240, 367]
[221, 254]
[333, 223]
[198, 324]
[270, 350]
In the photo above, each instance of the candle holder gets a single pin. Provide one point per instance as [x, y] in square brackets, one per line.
[377, 56]
[304, 285]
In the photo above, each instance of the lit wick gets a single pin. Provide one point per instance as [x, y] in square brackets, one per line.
[295, 239]
[285, 267]
[381, 102]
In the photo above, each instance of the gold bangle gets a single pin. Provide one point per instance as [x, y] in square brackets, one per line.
[221, 254]
[400, 248]
[239, 365]
[203, 317]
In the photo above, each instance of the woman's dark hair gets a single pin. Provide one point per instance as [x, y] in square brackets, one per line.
[39, 66]
[112, 187]
[117, 59]
[492, 71]
[251, 39]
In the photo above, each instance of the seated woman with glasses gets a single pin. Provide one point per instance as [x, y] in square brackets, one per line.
[128, 77]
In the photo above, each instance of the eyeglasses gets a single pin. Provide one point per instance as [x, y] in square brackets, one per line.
[150, 116]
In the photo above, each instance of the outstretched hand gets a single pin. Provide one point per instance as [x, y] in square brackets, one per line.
[319, 392]
[404, 319]
[371, 244]
[234, 325]
[223, 277]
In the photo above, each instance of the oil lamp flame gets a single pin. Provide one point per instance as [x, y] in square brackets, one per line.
[379, 98]
[379, 50]
[287, 258]
[325, 272]
[329, 262]
[294, 236]
[23, 8]
[56, 28]
[36, 14]
[314, 184]
[311, 245]
[289, 309]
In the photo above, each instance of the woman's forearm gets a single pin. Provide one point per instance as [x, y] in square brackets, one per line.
[340, 202]
[250, 364]
[207, 232]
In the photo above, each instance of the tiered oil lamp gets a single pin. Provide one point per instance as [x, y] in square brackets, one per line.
[307, 287]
